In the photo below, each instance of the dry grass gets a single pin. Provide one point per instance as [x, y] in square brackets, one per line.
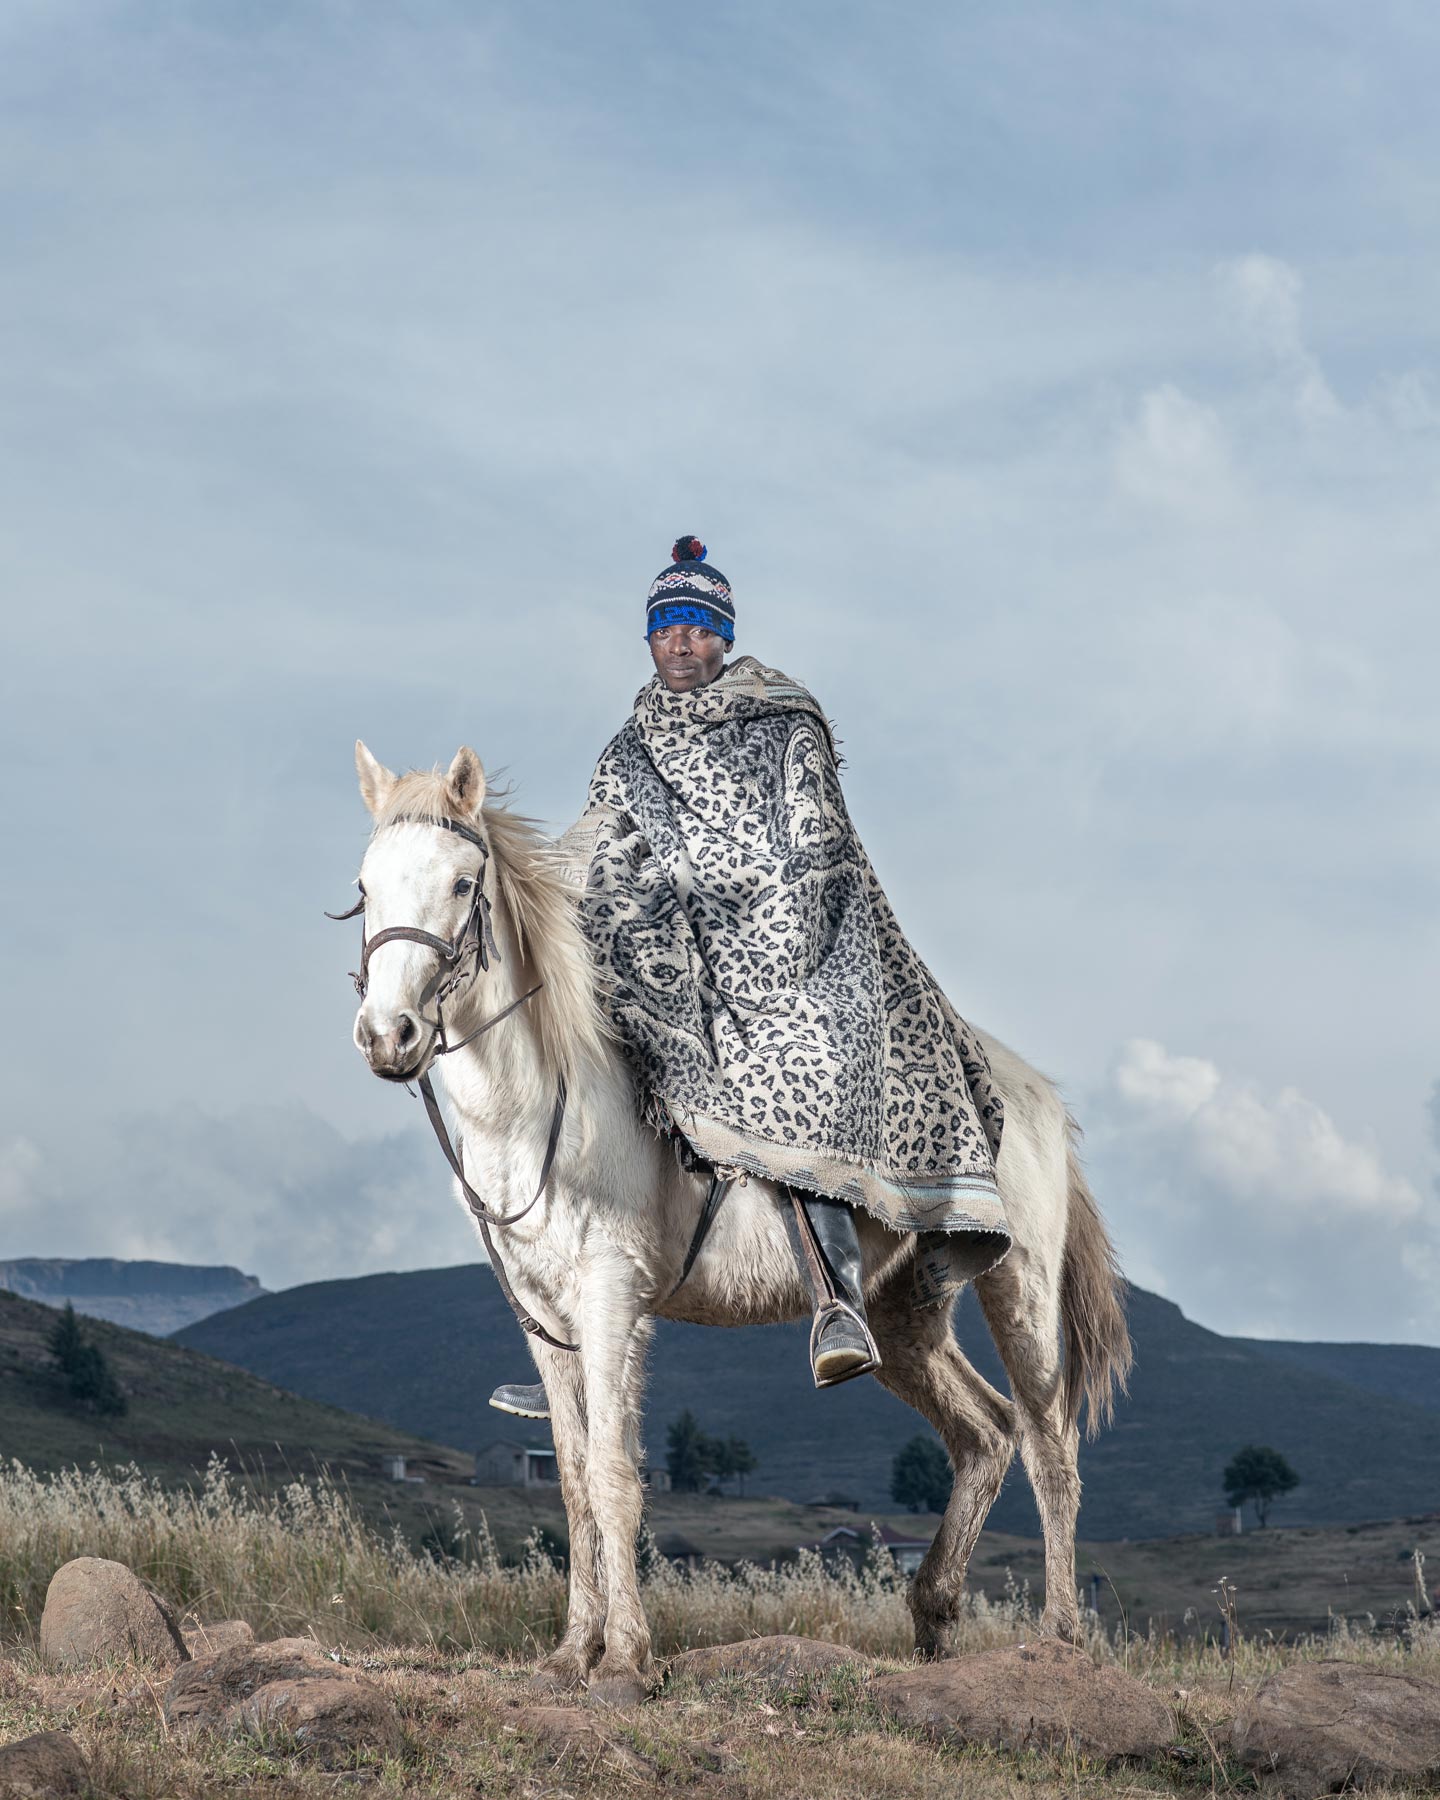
[473, 1728]
[450, 1641]
[302, 1562]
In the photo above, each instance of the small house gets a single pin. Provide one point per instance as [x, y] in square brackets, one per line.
[505, 1463]
[396, 1468]
[852, 1542]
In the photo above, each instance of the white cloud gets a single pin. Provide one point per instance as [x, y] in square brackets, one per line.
[1411, 400]
[1281, 1150]
[1163, 1088]
[1173, 453]
[1247, 1205]
[273, 1190]
[1265, 293]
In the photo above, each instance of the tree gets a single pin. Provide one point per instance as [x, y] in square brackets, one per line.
[692, 1454]
[1259, 1474]
[727, 1457]
[740, 1461]
[920, 1476]
[83, 1363]
[67, 1339]
[687, 1454]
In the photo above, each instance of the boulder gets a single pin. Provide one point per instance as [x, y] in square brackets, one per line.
[775, 1662]
[206, 1692]
[576, 1734]
[1043, 1696]
[96, 1609]
[49, 1763]
[210, 1640]
[1321, 1726]
[324, 1713]
[288, 1686]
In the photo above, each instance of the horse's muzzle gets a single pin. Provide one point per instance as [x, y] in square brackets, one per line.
[397, 1050]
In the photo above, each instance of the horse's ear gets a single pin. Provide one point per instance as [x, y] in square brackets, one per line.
[466, 781]
[377, 783]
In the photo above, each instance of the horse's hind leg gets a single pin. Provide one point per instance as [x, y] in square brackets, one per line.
[923, 1366]
[569, 1663]
[1021, 1301]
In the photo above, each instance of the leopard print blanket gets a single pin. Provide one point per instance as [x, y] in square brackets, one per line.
[756, 976]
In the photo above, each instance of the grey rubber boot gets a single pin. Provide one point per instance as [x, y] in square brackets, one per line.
[841, 1344]
[524, 1402]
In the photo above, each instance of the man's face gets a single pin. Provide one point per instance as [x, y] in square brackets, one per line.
[687, 656]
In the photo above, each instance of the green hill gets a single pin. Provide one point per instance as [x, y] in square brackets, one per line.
[423, 1351]
[181, 1406]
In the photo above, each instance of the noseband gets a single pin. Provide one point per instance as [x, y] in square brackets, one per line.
[473, 946]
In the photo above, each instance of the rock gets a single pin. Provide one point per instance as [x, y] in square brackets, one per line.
[210, 1640]
[1042, 1696]
[777, 1662]
[1320, 1726]
[96, 1609]
[289, 1685]
[47, 1763]
[576, 1734]
[204, 1693]
[325, 1713]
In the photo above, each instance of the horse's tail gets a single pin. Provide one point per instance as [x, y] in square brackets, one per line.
[1098, 1355]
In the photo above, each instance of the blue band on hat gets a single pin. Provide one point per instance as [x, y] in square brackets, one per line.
[687, 612]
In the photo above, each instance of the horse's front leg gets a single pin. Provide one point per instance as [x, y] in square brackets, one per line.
[569, 1664]
[611, 1338]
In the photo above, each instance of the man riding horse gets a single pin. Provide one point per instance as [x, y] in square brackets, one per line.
[778, 1022]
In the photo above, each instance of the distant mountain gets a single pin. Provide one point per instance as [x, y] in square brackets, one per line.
[424, 1350]
[1408, 1372]
[180, 1407]
[157, 1297]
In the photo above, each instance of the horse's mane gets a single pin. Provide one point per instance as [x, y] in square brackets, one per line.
[544, 913]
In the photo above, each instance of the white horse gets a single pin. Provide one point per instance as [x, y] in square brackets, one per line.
[596, 1258]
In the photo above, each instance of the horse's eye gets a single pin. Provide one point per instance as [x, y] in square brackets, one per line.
[463, 886]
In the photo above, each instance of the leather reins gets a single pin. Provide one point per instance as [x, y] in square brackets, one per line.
[475, 941]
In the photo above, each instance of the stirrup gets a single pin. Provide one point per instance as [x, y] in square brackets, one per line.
[849, 1361]
[524, 1402]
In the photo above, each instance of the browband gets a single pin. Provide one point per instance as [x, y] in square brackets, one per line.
[460, 830]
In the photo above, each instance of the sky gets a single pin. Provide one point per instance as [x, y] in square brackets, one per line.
[1058, 388]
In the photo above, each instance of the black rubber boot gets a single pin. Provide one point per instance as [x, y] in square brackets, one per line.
[524, 1402]
[841, 1345]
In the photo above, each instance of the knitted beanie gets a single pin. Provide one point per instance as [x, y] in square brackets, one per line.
[691, 592]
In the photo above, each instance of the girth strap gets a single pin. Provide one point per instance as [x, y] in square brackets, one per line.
[719, 1188]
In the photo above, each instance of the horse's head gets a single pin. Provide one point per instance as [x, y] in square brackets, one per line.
[423, 888]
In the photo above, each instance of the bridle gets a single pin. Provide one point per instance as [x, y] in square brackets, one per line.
[471, 948]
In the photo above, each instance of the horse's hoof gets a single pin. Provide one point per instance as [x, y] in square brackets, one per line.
[1063, 1627]
[556, 1678]
[623, 1688]
[935, 1640]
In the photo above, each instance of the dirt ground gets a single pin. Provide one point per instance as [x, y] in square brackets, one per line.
[475, 1727]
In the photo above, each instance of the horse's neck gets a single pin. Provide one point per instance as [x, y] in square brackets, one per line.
[499, 1083]
[503, 1091]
